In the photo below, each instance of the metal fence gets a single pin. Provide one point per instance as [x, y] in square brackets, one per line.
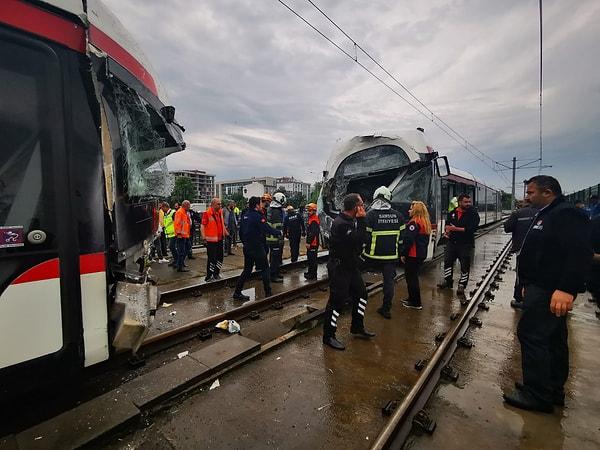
[584, 194]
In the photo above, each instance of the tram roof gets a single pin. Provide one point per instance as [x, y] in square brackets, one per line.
[413, 143]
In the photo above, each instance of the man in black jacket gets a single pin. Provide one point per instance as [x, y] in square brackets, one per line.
[461, 225]
[518, 224]
[293, 229]
[345, 279]
[552, 267]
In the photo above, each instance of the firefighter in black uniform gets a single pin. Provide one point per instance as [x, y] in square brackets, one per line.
[275, 243]
[312, 241]
[518, 224]
[461, 225]
[345, 280]
[293, 229]
[253, 230]
[384, 226]
[552, 267]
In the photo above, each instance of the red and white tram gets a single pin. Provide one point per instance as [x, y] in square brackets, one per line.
[85, 132]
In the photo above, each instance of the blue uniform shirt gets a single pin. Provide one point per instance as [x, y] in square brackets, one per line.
[254, 229]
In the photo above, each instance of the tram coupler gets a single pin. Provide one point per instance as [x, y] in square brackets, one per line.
[424, 423]
[440, 336]
[277, 305]
[450, 373]
[205, 334]
[420, 364]
[465, 342]
[254, 315]
[389, 408]
[454, 316]
[476, 321]
[136, 360]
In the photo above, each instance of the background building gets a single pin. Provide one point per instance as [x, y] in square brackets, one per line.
[293, 186]
[203, 182]
[226, 189]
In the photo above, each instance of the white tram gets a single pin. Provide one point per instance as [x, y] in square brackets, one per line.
[85, 132]
[412, 171]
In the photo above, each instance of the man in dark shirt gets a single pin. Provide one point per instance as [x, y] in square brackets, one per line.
[293, 229]
[461, 225]
[518, 224]
[552, 267]
[345, 280]
[253, 231]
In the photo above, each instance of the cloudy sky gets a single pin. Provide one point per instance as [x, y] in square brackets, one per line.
[260, 93]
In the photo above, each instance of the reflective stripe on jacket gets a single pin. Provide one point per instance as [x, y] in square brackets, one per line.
[384, 227]
[275, 220]
[213, 225]
[182, 223]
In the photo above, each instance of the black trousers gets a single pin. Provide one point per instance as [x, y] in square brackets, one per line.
[214, 261]
[255, 257]
[462, 252]
[388, 270]
[227, 243]
[311, 257]
[411, 273]
[294, 247]
[275, 258]
[345, 284]
[544, 345]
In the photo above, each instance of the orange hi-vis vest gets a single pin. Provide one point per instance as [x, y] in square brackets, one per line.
[182, 223]
[213, 225]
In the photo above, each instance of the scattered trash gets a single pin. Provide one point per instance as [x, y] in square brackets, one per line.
[330, 370]
[173, 313]
[323, 407]
[278, 358]
[166, 305]
[229, 325]
[367, 438]
[38, 438]
[182, 354]
[215, 385]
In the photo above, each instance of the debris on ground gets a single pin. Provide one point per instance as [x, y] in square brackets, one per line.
[182, 354]
[215, 385]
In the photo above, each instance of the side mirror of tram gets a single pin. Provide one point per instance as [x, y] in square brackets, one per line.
[442, 166]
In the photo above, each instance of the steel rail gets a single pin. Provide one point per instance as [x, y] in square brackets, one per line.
[397, 429]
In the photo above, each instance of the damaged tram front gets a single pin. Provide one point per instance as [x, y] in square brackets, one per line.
[85, 134]
[405, 164]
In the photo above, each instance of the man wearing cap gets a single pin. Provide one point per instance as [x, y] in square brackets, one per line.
[293, 229]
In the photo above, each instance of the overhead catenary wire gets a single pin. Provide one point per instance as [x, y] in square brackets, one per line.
[429, 114]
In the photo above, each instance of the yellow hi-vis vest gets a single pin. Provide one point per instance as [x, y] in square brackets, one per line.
[169, 223]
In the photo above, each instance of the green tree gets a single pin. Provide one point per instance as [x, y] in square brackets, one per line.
[238, 198]
[296, 199]
[183, 190]
[314, 193]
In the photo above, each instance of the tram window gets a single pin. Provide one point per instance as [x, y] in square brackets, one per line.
[374, 159]
[413, 187]
[26, 194]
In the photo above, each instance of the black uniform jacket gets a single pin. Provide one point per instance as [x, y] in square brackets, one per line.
[254, 228]
[313, 232]
[518, 224]
[381, 243]
[415, 241]
[469, 220]
[556, 252]
[347, 239]
[293, 225]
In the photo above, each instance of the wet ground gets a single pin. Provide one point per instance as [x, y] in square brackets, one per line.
[302, 395]
[473, 406]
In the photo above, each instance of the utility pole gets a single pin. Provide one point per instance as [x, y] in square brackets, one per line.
[513, 202]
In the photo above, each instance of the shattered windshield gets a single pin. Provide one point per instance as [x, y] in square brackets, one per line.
[142, 131]
[374, 159]
[415, 186]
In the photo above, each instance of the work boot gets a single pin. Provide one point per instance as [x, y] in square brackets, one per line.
[516, 304]
[191, 257]
[384, 312]
[240, 296]
[411, 305]
[362, 332]
[460, 290]
[216, 276]
[332, 342]
[208, 279]
[524, 400]
[558, 397]
[309, 276]
[445, 285]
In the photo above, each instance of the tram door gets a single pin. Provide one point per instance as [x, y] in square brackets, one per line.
[39, 300]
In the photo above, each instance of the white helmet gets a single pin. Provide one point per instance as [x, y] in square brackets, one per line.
[384, 192]
[278, 200]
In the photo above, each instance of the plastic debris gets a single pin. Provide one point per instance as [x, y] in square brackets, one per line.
[166, 305]
[229, 325]
[215, 385]
[278, 358]
[38, 438]
[223, 325]
[173, 313]
[323, 407]
[182, 354]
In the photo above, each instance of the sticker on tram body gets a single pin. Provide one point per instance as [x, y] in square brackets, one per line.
[11, 237]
